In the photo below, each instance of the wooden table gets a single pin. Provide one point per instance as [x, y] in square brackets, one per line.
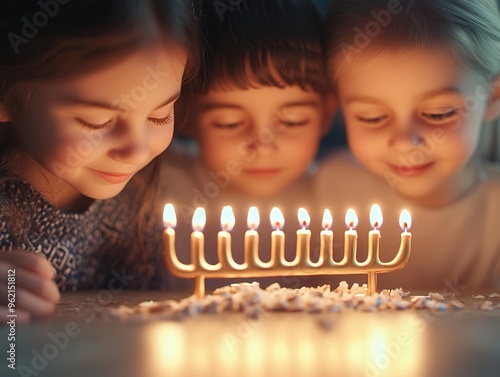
[76, 342]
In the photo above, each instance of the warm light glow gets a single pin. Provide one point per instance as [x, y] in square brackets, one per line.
[169, 217]
[199, 219]
[405, 220]
[327, 219]
[376, 218]
[227, 219]
[253, 219]
[277, 219]
[163, 346]
[304, 218]
[351, 219]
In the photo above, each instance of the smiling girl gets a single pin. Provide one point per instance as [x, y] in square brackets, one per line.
[85, 105]
[418, 82]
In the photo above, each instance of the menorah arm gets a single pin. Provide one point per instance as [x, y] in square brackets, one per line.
[228, 263]
[401, 257]
[171, 260]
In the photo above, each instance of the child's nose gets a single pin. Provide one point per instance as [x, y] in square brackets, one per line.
[262, 142]
[132, 146]
[406, 139]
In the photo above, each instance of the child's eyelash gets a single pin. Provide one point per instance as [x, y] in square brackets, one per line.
[290, 123]
[94, 127]
[227, 125]
[163, 121]
[372, 120]
[441, 116]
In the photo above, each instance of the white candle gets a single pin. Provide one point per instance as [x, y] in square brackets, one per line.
[197, 237]
[376, 220]
[303, 243]
[405, 224]
[277, 235]
[251, 248]
[326, 237]
[227, 221]
[169, 222]
[350, 235]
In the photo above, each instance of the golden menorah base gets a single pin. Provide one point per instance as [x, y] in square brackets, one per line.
[302, 265]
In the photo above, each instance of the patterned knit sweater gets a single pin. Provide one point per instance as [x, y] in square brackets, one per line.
[90, 250]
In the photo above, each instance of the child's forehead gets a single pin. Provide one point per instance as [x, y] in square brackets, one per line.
[261, 100]
[406, 72]
[280, 92]
[386, 58]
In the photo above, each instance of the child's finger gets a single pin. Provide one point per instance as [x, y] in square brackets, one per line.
[38, 285]
[22, 316]
[31, 261]
[30, 302]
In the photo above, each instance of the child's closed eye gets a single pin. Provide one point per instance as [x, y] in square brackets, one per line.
[372, 119]
[158, 118]
[162, 121]
[294, 123]
[95, 126]
[228, 126]
[439, 116]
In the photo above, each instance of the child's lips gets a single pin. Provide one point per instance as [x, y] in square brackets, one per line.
[407, 171]
[115, 178]
[262, 172]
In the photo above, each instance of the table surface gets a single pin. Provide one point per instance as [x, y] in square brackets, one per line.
[76, 341]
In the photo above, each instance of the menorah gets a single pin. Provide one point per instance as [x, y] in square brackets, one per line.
[253, 266]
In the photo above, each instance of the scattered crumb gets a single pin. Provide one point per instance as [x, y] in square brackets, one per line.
[486, 306]
[436, 296]
[253, 302]
[494, 295]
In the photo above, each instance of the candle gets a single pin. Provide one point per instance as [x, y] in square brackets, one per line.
[350, 235]
[303, 244]
[252, 236]
[224, 237]
[169, 222]
[326, 238]
[405, 224]
[277, 235]
[374, 234]
[197, 237]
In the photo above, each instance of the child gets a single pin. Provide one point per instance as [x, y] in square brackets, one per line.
[259, 121]
[417, 82]
[86, 99]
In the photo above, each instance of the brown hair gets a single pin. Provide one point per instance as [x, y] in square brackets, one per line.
[72, 37]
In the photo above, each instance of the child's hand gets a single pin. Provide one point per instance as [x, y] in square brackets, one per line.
[35, 290]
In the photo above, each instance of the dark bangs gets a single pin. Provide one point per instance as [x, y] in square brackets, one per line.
[265, 43]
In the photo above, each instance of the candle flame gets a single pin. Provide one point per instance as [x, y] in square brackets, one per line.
[199, 219]
[277, 219]
[376, 217]
[169, 217]
[405, 220]
[253, 219]
[351, 219]
[227, 219]
[327, 219]
[304, 218]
